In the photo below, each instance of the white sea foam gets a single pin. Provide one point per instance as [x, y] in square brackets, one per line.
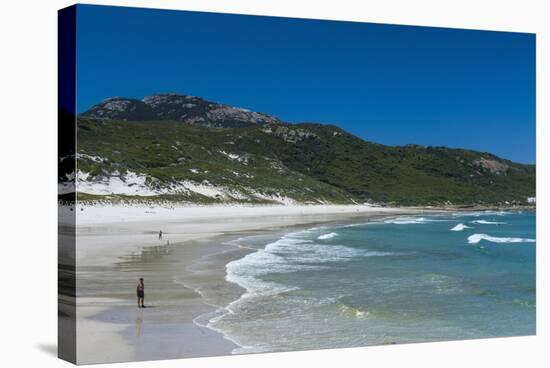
[485, 222]
[327, 236]
[357, 313]
[411, 220]
[405, 220]
[373, 222]
[288, 254]
[476, 238]
[291, 253]
[484, 213]
[460, 227]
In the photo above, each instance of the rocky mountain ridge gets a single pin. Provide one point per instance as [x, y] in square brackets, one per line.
[176, 107]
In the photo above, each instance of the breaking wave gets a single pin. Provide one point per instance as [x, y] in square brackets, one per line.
[288, 254]
[460, 227]
[485, 222]
[411, 220]
[476, 238]
[327, 236]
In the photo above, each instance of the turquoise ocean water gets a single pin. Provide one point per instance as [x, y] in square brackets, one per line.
[394, 280]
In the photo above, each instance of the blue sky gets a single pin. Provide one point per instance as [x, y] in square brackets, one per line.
[384, 83]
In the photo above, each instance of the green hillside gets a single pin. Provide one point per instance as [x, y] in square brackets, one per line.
[279, 162]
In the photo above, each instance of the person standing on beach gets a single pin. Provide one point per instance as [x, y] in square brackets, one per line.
[140, 293]
[160, 234]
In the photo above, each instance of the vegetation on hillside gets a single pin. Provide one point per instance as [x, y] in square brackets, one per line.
[309, 163]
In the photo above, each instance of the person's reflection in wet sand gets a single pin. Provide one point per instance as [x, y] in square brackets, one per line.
[139, 321]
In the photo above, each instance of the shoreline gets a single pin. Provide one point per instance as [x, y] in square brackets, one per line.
[272, 235]
[124, 244]
[106, 233]
[106, 246]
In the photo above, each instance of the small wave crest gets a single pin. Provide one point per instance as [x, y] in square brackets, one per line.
[327, 236]
[355, 312]
[485, 222]
[485, 213]
[476, 238]
[411, 220]
[460, 227]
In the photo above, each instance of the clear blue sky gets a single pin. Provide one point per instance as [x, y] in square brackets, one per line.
[389, 84]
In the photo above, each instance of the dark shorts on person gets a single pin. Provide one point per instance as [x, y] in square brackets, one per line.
[140, 294]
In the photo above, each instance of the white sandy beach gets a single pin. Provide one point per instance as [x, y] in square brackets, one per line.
[117, 244]
[108, 232]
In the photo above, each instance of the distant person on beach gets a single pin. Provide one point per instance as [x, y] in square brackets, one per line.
[160, 234]
[140, 293]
